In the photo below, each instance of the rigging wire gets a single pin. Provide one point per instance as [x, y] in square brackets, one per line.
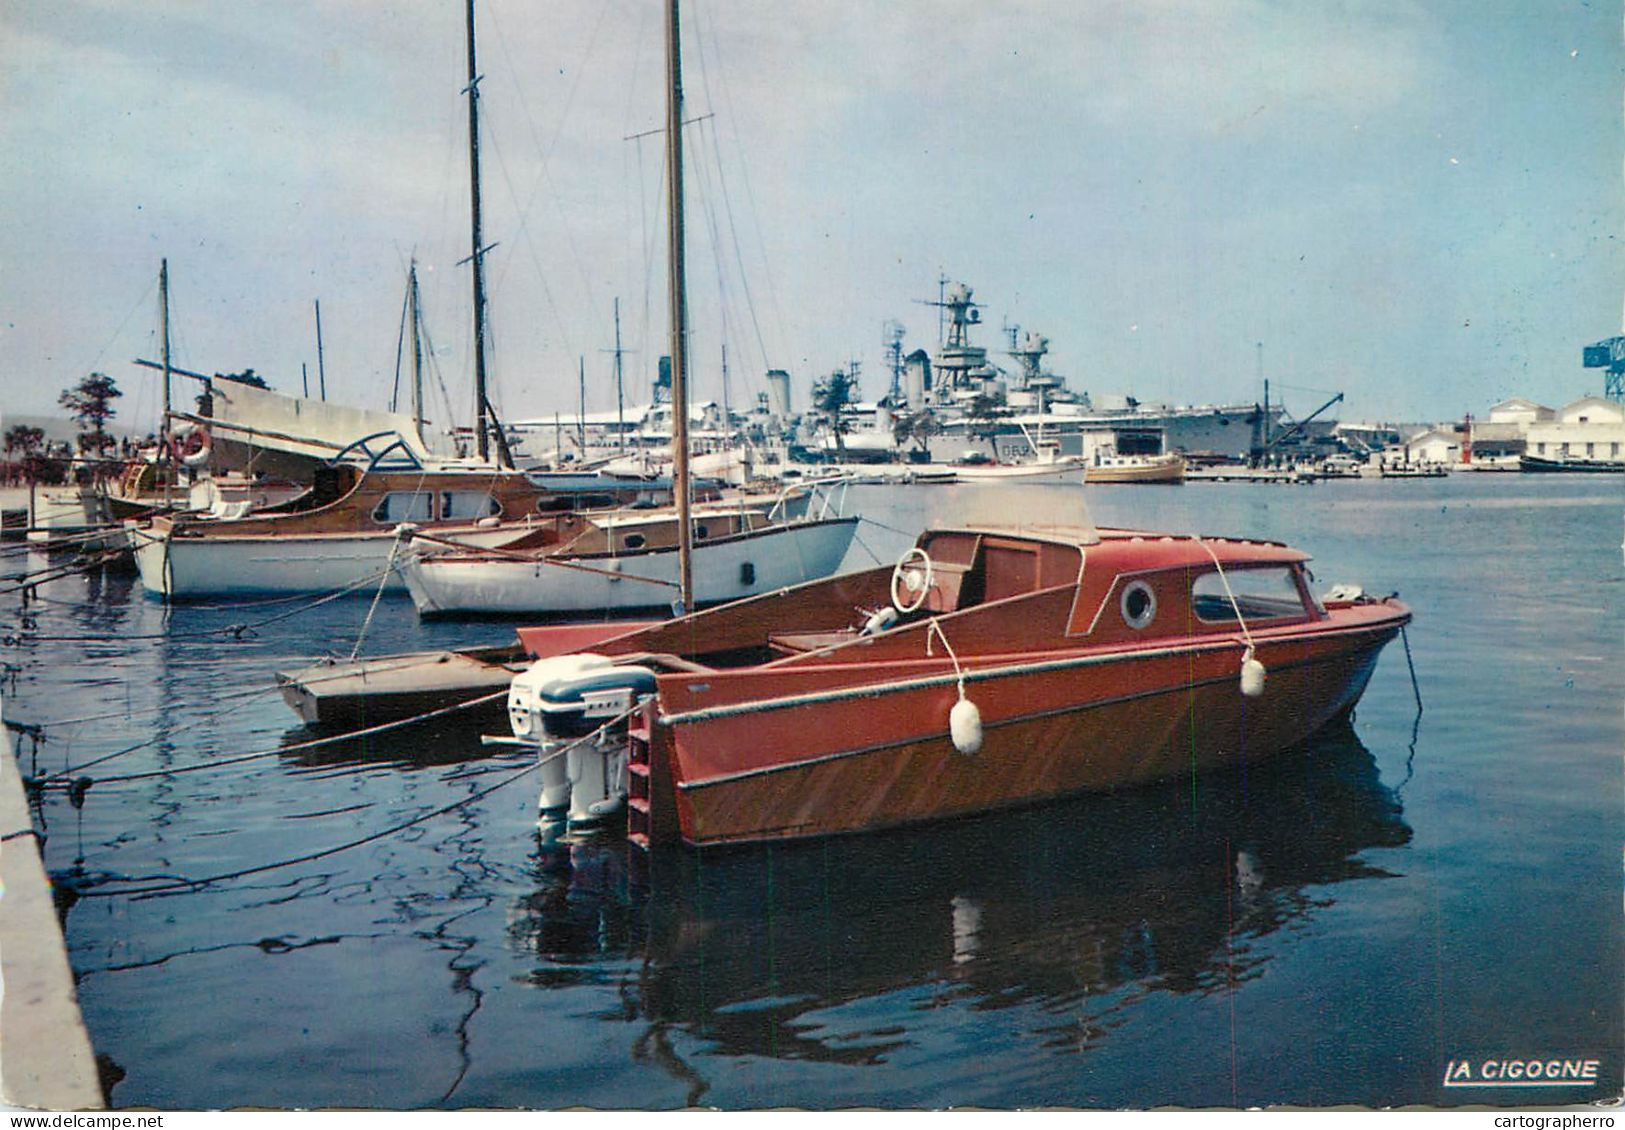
[727, 202]
[701, 18]
[545, 153]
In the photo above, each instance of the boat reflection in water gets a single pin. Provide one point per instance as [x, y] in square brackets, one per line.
[1077, 907]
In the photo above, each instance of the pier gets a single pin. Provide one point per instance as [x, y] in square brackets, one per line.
[46, 1061]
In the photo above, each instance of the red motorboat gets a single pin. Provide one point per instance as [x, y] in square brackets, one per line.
[992, 666]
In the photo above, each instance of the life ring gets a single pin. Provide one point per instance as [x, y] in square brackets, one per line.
[193, 445]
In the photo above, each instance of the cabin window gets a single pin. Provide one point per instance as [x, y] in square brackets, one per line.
[1139, 605]
[403, 506]
[701, 531]
[1591, 449]
[633, 541]
[467, 505]
[1262, 594]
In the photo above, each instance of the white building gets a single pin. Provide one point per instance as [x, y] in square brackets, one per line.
[1436, 445]
[1517, 410]
[1591, 428]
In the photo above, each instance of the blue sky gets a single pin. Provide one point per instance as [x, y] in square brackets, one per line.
[1416, 204]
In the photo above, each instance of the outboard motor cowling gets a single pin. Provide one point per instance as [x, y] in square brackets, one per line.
[564, 698]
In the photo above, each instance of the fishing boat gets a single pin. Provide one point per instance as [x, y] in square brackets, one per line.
[994, 665]
[1043, 471]
[1538, 463]
[1169, 468]
[626, 561]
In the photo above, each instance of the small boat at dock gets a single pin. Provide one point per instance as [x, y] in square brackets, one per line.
[994, 665]
[1168, 468]
[349, 529]
[366, 692]
[624, 561]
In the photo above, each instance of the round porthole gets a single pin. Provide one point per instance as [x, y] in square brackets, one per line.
[1139, 605]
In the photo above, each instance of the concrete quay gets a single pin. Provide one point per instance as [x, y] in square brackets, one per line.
[46, 1061]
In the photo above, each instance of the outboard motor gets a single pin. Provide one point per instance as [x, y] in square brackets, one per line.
[564, 698]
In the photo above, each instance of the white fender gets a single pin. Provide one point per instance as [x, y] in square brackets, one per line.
[965, 726]
[1252, 676]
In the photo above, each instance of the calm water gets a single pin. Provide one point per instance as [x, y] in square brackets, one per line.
[1336, 926]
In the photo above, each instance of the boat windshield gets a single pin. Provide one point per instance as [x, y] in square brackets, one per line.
[1025, 506]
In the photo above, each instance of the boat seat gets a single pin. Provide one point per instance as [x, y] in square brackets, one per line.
[949, 588]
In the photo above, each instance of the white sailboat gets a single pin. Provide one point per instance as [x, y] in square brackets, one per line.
[623, 562]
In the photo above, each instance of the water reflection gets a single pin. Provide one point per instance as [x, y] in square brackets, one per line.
[430, 744]
[1075, 908]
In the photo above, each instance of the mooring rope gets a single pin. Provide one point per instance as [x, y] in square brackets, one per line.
[56, 779]
[21, 582]
[403, 534]
[236, 631]
[191, 885]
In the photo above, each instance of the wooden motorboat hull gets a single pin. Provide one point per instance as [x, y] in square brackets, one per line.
[725, 569]
[370, 691]
[745, 763]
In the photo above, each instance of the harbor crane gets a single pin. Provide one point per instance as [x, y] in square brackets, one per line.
[1608, 354]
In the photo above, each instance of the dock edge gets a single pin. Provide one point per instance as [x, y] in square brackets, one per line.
[46, 1060]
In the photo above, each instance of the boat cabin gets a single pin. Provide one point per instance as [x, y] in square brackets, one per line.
[998, 592]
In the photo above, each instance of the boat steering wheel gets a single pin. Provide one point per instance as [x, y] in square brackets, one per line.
[913, 575]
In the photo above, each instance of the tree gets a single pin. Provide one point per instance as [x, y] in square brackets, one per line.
[90, 402]
[830, 397]
[247, 377]
[23, 441]
[205, 402]
[916, 427]
[983, 412]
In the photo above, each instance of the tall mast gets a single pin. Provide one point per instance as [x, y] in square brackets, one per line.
[620, 394]
[727, 412]
[321, 364]
[163, 316]
[678, 299]
[484, 418]
[417, 347]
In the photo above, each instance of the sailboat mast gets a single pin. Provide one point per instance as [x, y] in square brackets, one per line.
[620, 394]
[163, 316]
[678, 297]
[321, 363]
[486, 425]
[417, 348]
[477, 262]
